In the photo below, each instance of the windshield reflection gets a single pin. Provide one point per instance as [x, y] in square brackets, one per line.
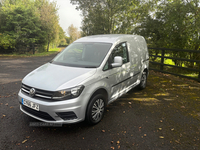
[86, 55]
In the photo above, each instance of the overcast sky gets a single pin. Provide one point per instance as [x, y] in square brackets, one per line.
[68, 14]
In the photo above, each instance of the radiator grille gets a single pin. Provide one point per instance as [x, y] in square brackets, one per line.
[39, 94]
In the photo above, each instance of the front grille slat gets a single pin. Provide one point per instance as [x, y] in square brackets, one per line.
[39, 94]
[25, 90]
[26, 87]
[44, 93]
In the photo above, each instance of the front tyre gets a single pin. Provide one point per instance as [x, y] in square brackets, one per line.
[95, 109]
[143, 81]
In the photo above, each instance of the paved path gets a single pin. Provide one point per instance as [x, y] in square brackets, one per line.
[163, 116]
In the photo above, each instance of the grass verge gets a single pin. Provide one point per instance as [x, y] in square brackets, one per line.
[50, 52]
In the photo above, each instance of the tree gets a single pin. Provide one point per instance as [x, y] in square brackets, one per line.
[49, 20]
[67, 40]
[73, 33]
[111, 16]
[175, 24]
[28, 23]
[20, 26]
[62, 37]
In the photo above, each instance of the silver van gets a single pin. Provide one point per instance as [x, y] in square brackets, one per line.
[85, 77]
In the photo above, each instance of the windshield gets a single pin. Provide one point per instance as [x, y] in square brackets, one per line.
[87, 55]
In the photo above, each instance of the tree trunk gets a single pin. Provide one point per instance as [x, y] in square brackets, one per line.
[48, 46]
[33, 48]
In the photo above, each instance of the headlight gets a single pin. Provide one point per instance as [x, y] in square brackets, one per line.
[68, 93]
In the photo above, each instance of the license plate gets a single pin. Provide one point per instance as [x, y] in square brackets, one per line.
[30, 104]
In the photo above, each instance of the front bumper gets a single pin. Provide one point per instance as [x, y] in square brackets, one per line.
[52, 112]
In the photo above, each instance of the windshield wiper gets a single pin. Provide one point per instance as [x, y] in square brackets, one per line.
[90, 67]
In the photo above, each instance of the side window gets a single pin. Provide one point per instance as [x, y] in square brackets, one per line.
[121, 50]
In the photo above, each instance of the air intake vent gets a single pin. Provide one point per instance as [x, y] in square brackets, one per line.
[67, 115]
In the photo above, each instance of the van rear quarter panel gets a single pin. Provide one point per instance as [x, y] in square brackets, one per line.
[138, 53]
[134, 55]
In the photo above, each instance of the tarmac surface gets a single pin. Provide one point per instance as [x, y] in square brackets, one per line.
[164, 116]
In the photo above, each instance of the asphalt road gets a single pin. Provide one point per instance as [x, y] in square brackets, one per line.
[139, 120]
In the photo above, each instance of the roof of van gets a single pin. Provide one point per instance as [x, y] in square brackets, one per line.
[104, 38]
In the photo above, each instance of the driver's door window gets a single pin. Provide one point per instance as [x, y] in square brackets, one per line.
[119, 50]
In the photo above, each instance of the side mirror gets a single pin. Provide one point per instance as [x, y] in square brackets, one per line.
[118, 61]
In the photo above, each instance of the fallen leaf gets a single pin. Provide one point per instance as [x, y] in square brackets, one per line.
[160, 128]
[3, 116]
[124, 112]
[24, 141]
[112, 142]
[145, 135]
[118, 142]
[118, 147]
[129, 102]
[161, 121]
[161, 137]
[6, 104]
[103, 131]
[172, 129]
[177, 141]
[182, 106]
[11, 107]
[112, 147]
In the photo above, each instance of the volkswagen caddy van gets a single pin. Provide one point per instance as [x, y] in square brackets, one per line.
[86, 76]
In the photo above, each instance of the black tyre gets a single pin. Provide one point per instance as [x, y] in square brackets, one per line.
[143, 81]
[95, 109]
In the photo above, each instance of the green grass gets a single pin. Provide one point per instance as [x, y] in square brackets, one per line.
[193, 75]
[51, 51]
[174, 70]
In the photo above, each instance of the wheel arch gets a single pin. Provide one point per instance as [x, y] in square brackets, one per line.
[100, 91]
[146, 70]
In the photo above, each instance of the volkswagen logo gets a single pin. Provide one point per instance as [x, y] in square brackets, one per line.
[32, 92]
